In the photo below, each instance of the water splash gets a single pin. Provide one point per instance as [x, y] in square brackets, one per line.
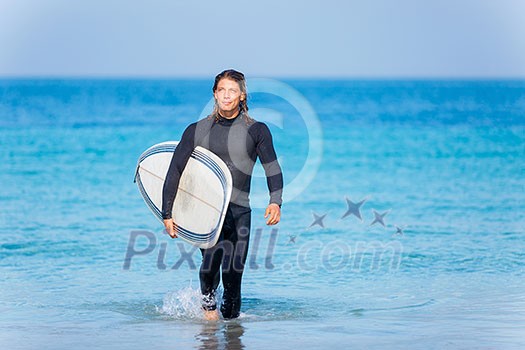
[186, 304]
[182, 304]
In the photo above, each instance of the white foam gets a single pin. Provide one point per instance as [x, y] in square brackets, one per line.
[182, 304]
[185, 304]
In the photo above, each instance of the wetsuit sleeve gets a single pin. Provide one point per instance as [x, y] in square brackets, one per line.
[178, 163]
[266, 153]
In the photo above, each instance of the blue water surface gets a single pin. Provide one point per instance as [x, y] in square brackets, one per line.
[443, 159]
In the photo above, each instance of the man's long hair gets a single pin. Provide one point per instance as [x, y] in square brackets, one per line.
[243, 105]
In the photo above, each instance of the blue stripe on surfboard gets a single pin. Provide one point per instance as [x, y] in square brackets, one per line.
[211, 163]
[204, 159]
[200, 156]
[160, 149]
[190, 235]
[152, 151]
[148, 200]
[165, 147]
[195, 237]
[218, 172]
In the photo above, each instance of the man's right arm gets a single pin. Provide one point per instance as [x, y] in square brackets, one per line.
[178, 163]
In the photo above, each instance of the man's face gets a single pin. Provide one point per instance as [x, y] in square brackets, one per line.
[228, 96]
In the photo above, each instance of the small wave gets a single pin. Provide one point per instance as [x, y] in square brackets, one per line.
[360, 311]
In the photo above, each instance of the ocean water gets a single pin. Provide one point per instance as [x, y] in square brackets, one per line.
[85, 264]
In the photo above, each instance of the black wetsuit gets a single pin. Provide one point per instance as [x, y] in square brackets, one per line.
[238, 142]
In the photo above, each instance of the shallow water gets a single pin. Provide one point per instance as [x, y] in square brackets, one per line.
[444, 159]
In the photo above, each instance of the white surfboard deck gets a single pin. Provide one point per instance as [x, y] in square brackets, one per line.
[203, 194]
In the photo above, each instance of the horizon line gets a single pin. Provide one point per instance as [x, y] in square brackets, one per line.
[270, 76]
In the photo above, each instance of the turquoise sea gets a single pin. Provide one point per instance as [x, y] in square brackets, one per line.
[85, 265]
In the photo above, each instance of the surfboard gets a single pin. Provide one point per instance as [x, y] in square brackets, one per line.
[203, 194]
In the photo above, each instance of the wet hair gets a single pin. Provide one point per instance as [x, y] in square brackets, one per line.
[238, 77]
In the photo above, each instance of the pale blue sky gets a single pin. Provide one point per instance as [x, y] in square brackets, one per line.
[271, 38]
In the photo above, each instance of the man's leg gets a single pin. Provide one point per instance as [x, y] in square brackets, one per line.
[209, 273]
[233, 264]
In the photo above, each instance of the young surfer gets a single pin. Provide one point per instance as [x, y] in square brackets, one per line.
[238, 140]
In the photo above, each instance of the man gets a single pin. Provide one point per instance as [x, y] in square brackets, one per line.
[238, 140]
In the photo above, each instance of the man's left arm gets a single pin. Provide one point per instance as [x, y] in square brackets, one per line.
[274, 176]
